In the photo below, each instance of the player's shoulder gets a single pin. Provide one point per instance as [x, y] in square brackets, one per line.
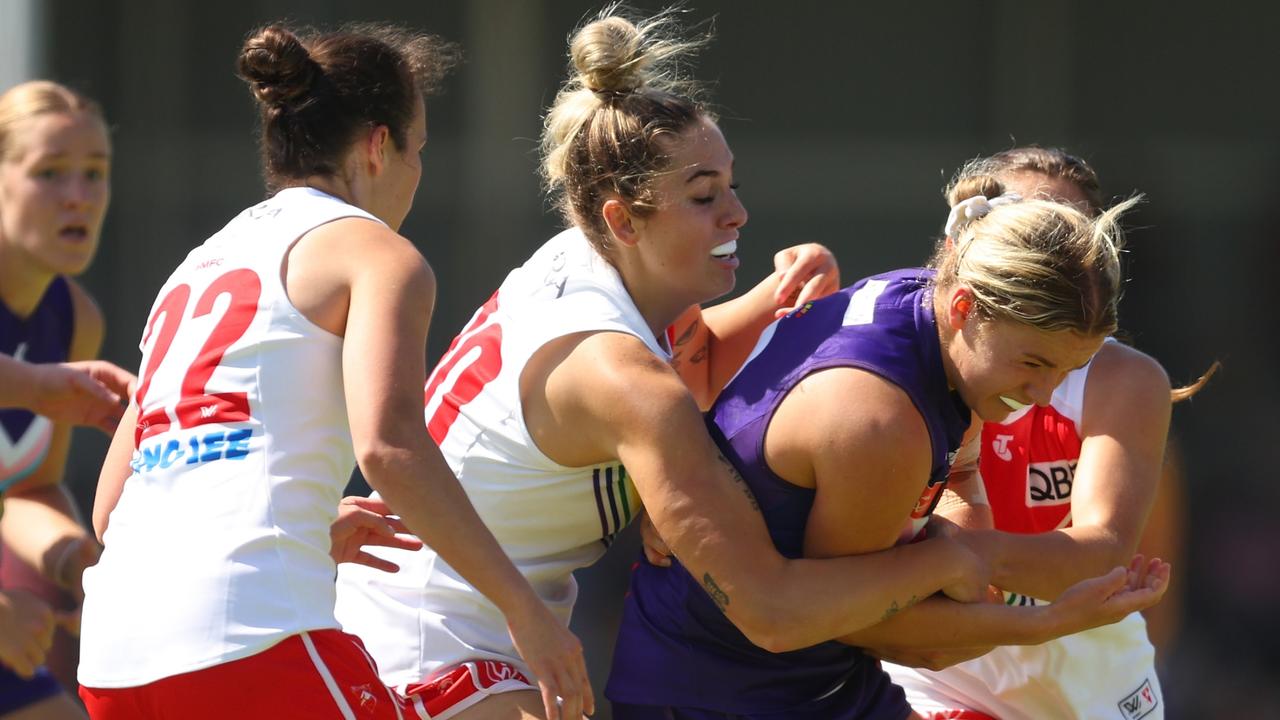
[1125, 387]
[1119, 368]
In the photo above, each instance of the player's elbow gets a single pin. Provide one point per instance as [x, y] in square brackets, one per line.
[773, 630]
[382, 461]
[770, 620]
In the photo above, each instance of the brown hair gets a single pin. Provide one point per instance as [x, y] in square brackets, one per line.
[37, 97]
[603, 135]
[1037, 262]
[1050, 162]
[317, 90]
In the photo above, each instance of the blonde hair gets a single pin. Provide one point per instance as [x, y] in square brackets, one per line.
[625, 93]
[1036, 262]
[37, 97]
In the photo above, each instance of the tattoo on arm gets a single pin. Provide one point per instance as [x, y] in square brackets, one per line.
[739, 481]
[699, 355]
[894, 608]
[720, 597]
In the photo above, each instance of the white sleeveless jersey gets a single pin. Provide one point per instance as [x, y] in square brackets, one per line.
[549, 518]
[219, 545]
[1107, 673]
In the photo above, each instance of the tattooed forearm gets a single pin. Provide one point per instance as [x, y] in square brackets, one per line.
[720, 597]
[894, 608]
[737, 479]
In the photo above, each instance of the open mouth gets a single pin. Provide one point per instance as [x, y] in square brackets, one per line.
[725, 251]
[1013, 404]
[75, 233]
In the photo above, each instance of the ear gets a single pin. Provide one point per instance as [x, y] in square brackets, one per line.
[377, 146]
[960, 307]
[620, 221]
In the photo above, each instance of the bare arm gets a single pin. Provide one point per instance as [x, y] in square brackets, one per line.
[939, 632]
[703, 508]
[709, 345]
[1124, 428]
[40, 522]
[115, 470]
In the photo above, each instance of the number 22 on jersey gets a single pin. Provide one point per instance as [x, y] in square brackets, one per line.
[195, 405]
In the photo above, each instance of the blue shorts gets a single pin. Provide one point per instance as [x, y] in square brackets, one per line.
[18, 692]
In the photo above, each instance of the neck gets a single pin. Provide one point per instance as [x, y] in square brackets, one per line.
[657, 304]
[946, 339]
[330, 185]
[21, 285]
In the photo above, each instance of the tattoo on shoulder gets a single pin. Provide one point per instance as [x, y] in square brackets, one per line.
[720, 597]
[894, 608]
[739, 481]
[687, 335]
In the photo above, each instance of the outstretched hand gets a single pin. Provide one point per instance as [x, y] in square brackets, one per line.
[366, 521]
[555, 656]
[83, 393]
[1112, 597]
[806, 273]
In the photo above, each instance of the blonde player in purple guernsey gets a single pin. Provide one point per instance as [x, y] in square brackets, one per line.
[844, 424]
[55, 161]
[1071, 480]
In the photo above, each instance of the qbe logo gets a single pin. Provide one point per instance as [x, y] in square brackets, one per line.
[1140, 702]
[1049, 483]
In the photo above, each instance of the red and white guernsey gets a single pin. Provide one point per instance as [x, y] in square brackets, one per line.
[549, 518]
[1028, 467]
[219, 545]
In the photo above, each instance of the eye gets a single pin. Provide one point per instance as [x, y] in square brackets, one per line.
[94, 174]
[734, 186]
[48, 174]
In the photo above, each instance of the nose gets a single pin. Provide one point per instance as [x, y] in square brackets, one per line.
[81, 192]
[737, 215]
[1041, 390]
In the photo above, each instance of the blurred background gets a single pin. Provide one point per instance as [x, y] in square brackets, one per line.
[846, 120]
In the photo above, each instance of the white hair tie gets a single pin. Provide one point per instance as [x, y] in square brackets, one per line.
[970, 209]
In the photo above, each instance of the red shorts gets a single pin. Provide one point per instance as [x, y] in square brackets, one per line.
[318, 674]
[449, 691]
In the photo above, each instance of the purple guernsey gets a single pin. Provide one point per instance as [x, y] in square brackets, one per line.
[675, 647]
[44, 336]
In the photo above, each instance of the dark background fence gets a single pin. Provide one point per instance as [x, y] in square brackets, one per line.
[846, 120]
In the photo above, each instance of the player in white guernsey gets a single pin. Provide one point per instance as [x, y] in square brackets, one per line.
[286, 347]
[560, 412]
[1068, 486]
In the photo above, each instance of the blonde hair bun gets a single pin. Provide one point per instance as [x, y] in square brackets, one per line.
[610, 56]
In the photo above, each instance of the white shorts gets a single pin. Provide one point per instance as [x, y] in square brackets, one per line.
[1107, 673]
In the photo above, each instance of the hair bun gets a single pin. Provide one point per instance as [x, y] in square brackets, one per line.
[276, 65]
[609, 55]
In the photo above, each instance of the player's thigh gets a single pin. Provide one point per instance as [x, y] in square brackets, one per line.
[517, 705]
[56, 707]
